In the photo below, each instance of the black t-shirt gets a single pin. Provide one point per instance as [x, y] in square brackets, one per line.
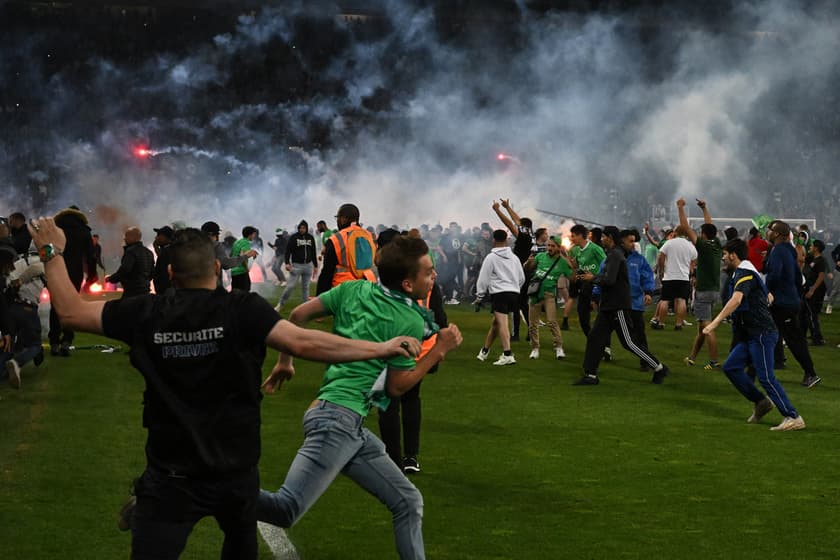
[201, 353]
[523, 243]
[450, 244]
[812, 271]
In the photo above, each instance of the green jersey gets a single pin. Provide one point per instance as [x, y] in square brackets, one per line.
[363, 312]
[550, 272]
[240, 246]
[709, 253]
[589, 258]
[326, 235]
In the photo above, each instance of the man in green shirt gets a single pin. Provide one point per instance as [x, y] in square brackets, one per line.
[548, 267]
[335, 439]
[587, 257]
[239, 277]
[707, 282]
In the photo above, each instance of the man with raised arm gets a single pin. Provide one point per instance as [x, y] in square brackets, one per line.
[200, 350]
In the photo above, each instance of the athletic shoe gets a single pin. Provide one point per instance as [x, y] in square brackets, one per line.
[659, 376]
[689, 361]
[828, 309]
[13, 369]
[278, 308]
[505, 360]
[452, 301]
[789, 424]
[810, 380]
[411, 465]
[712, 365]
[542, 323]
[64, 350]
[587, 379]
[761, 408]
[39, 357]
[678, 327]
[607, 354]
[482, 355]
[126, 519]
[535, 354]
[55, 350]
[687, 324]
[564, 326]
[820, 342]
[559, 353]
[656, 325]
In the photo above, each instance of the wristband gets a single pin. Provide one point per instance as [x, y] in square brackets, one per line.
[48, 252]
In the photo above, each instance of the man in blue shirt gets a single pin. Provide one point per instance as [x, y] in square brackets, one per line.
[755, 336]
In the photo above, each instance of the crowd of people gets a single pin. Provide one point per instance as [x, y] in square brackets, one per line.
[386, 290]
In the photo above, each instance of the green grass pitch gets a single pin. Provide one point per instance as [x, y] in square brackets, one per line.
[516, 462]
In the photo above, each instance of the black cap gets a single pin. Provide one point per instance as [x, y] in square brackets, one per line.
[166, 231]
[211, 228]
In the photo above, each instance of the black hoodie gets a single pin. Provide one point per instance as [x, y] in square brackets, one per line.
[301, 247]
[614, 281]
[78, 252]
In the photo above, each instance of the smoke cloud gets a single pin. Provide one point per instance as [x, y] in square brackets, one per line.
[293, 111]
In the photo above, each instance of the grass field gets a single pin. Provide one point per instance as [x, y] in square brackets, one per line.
[517, 463]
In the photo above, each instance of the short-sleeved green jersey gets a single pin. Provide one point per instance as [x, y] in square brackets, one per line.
[589, 258]
[543, 269]
[363, 312]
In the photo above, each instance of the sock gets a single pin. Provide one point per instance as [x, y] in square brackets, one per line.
[507, 352]
[484, 350]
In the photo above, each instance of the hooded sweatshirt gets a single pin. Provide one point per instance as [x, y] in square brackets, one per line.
[301, 247]
[500, 272]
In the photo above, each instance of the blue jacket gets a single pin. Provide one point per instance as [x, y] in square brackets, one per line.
[641, 280]
[783, 277]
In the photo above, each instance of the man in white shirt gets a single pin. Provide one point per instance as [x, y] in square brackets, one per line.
[675, 258]
[501, 277]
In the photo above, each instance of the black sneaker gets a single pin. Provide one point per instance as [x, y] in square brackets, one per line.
[39, 357]
[607, 354]
[678, 327]
[564, 326]
[64, 351]
[810, 380]
[656, 325]
[587, 379]
[55, 350]
[411, 465]
[659, 376]
[820, 342]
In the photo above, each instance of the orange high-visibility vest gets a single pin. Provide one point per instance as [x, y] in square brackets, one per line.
[345, 255]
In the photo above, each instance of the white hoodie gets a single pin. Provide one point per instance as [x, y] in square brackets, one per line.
[501, 271]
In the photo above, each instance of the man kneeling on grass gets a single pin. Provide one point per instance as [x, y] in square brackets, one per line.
[755, 334]
[200, 350]
[335, 440]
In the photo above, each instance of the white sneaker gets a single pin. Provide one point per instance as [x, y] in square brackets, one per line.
[482, 355]
[452, 301]
[278, 308]
[13, 369]
[828, 309]
[790, 424]
[558, 353]
[687, 324]
[535, 354]
[505, 360]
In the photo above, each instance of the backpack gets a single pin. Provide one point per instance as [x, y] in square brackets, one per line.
[358, 253]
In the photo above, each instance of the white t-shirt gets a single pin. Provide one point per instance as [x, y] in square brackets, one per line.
[679, 252]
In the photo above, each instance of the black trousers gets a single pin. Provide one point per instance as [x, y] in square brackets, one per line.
[522, 311]
[638, 331]
[810, 316]
[241, 282]
[168, 507]
[390, 427]
[790, 330]
[599, 336]
[584, 307]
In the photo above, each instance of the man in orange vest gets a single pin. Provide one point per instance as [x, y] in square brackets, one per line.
[349, 252]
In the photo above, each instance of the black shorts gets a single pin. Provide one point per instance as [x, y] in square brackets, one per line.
[504, 302]
[675, 289]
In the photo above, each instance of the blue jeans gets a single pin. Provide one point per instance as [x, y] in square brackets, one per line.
[757, 351]
[336, 442]
[302, 272]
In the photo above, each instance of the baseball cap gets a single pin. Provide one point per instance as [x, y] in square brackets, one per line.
[165, 231]
[211, 228]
